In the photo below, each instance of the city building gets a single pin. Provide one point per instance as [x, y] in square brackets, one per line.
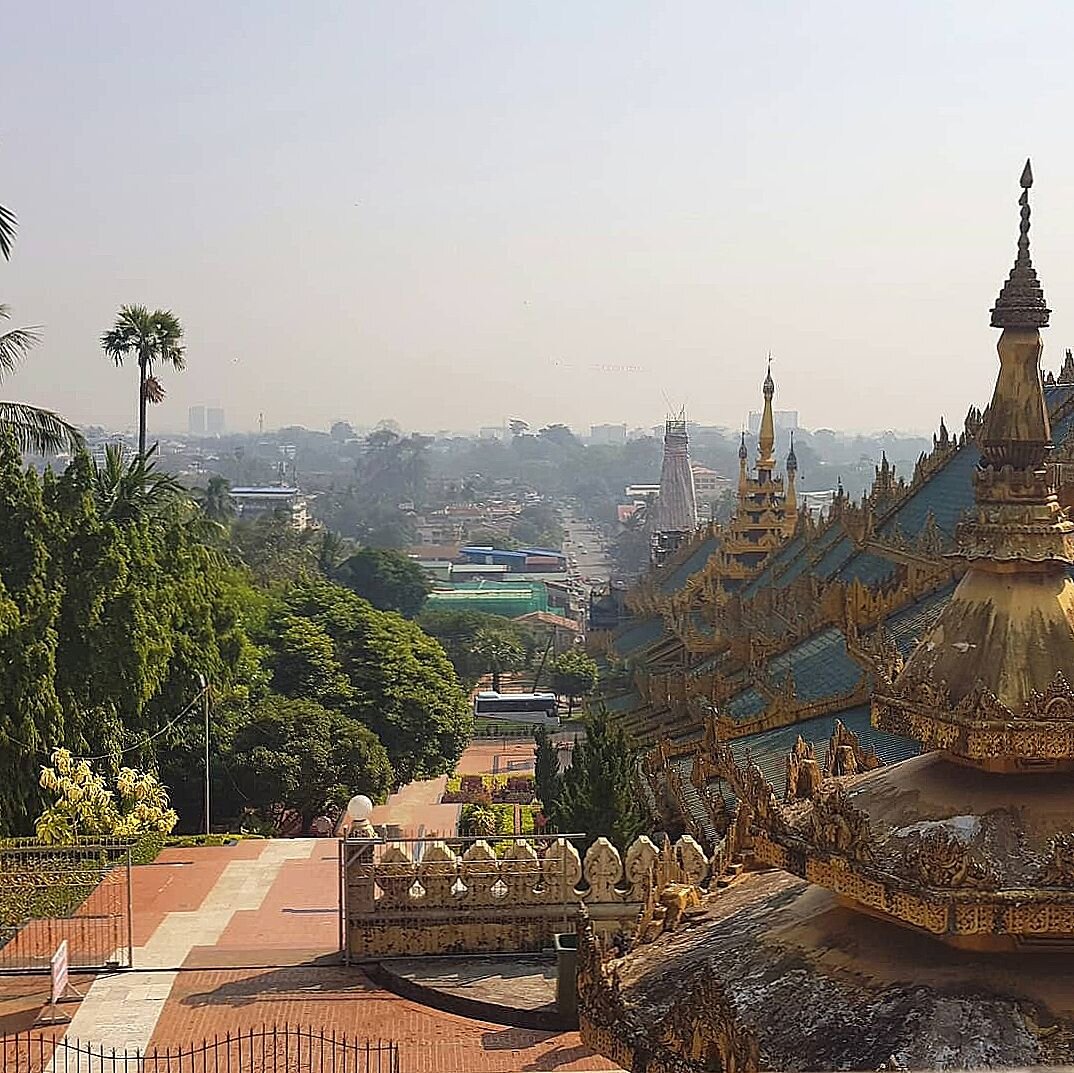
[784, 421]
[607, 435]
[252, 502]
[708, 484]
[195, 420]
[508, 598]
[214, 421]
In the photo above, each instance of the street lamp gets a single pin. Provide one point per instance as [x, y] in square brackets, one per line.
[205, 708]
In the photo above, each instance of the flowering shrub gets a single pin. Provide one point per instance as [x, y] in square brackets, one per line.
[84, 805]
[490, 790]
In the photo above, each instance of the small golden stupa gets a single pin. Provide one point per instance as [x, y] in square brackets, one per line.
[919, 915]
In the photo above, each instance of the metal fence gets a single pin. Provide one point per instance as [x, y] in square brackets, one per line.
[268, 1049]
[81, 893]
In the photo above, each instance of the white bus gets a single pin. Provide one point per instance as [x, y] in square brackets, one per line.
[534, 709]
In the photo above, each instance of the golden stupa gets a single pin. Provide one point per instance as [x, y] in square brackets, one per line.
[919, 915]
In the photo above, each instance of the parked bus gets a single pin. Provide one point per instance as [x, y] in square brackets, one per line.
[535, 709]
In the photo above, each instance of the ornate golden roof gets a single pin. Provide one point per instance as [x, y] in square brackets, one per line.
[988, 682]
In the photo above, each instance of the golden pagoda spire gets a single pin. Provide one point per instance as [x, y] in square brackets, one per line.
[1000, 653]
[743, 459]
[766, 441]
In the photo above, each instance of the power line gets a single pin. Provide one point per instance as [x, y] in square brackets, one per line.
[119, 752]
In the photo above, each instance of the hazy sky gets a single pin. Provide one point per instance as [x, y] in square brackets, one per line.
[454, 213]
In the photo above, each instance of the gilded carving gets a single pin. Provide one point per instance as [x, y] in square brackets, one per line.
[1058, 869]
[803, 772]
[703, 1027]
[837, 826]
[939, 858]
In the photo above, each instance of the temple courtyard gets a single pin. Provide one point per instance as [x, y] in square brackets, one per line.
[232, 937]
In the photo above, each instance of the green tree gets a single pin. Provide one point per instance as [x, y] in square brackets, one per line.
[83, 804]
[216, 500]
[574, 674]
[546, 769]
[498, 651]
[105, 628]
[273, 550]
[597, 793]
[399, 682]
[389, 580]
[136, 490]
[463, 635]
[291, 755]
[33, 428]
[153, 339]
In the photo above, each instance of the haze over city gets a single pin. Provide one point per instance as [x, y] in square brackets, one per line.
[455, 214]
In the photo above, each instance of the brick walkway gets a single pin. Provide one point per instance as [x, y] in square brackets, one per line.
[208, 921]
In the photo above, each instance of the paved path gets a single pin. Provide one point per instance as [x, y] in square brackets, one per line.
[122, 1010]
[417, 810]
[234, 937]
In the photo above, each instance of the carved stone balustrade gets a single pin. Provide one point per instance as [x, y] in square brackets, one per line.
[402, 901]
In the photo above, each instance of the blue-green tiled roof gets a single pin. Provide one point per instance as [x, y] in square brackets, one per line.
[834, 558]
[779, 558]
[820, 665]
[910, 625]
[745, 705]
[678, 576]
[625, 702]
[638, 634]
[947, 495]
[868, 568]
[769, 749]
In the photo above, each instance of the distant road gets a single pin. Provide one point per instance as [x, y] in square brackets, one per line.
[584, 547]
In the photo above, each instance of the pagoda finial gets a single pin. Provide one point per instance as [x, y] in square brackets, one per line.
[792, 458]
[766, 440]
[1021, 302]
[743, 454]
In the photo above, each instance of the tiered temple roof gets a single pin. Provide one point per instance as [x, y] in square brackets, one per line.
[826, 944]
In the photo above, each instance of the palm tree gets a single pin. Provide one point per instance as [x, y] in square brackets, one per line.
[7, 232]
[216, 501]
[33, 429]
[131, 492]
[152, 338]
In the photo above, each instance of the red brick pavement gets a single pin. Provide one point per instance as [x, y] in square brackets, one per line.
[301, 909]
[208, 1001]
[344, 1000]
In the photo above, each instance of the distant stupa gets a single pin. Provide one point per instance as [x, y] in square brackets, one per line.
[674, 514]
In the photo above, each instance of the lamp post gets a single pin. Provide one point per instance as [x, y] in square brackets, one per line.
[205, 708]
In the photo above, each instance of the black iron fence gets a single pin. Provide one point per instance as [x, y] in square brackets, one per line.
[268, 1049]
[81, 893]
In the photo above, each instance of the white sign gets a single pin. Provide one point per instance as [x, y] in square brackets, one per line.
[59, 966]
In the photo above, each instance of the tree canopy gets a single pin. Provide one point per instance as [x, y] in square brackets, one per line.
[597, 793]
[289, 755]
[477, 643]
[106, 625]
[574, 674]
[374, 666]
[388, 579]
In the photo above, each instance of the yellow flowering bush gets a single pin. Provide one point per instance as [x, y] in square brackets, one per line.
[82, 804]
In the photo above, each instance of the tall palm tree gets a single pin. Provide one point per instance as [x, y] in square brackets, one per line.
[34, 429]
[152, 338]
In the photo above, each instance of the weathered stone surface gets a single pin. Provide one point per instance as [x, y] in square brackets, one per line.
[826, 987]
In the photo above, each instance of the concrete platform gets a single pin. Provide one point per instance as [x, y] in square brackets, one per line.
[519, 991]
